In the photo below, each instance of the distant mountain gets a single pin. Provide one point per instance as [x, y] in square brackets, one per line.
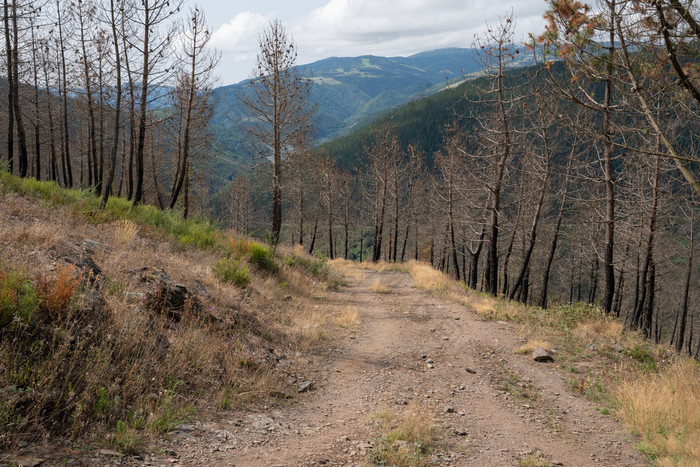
[349, 91]
[421, 122]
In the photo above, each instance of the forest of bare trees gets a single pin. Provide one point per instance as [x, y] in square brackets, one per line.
[573, 180]
[110, 96]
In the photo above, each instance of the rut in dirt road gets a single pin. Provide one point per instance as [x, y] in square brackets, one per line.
[439, 363]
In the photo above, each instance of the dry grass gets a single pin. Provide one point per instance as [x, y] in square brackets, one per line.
[531, 345]
[307, 324]
[427, 278]
[349, 318]
[125, 231]
[409, 438]
[56, 292]
[603, 326]
[349, 269]
[664, 409]
[379, 287]
[379, 266]
[118, 370]
[37, 234]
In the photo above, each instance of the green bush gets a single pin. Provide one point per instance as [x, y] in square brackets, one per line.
[232, 272]
[17, 297]
[262, 258]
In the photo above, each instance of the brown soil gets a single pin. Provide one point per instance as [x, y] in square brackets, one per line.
[510, 409]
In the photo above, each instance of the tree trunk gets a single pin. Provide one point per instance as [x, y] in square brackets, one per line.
[525, 269]
[68, 170]
[555, 236]
[608, 266]
[21, 133]
[143, 104]
[117, 112]
[92, 153]
[686, 290]
[10, 90]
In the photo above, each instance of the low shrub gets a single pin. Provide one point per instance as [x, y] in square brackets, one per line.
[17, 297]
[231, 271]
[55, 293]
[262, 258]
[239, 247]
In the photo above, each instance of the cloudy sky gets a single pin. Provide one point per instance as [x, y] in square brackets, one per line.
[345, 28]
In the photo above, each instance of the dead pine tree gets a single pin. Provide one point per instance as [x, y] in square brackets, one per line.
[278, 99]
[501, 101]
[195, 63]
[382, 155]
[153, 30]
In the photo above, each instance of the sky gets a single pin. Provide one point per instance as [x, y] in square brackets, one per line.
[348, 28]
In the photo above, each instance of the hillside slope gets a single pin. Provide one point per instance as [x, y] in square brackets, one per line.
[347, 90]
[125, 334]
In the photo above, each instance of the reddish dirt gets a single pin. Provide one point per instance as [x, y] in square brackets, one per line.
[385, 366]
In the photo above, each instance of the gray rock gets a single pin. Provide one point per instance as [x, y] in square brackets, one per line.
[470, 370]
[305, 386]
[541, 355]
[109, 453]
[163, 295]
[618, 348]
[461, 431]
[593, 347]
[185, 427]
[449, 409]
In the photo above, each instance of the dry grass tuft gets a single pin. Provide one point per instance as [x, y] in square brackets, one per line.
[349, 318]
[55, 293]
[483, 304]
[125, 231]
[307, 326]
[379, 287]
[349, 269]
[379, 266]
[664, 409]
[427, 278]
[408, 438]
[604, 326]
[531, 345]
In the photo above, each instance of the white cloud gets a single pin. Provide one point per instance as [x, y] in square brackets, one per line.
[358, 27]
[323, 28]
[240, 34]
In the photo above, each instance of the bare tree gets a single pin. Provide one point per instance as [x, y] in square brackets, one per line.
[152, 38]
[193, 89]
[279, 103]
[382, 155]
[117, 105]
[497, 52]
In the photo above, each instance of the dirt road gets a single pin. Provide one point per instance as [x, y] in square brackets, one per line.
[414, 352]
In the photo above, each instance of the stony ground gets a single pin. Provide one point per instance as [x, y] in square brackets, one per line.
[413, 352]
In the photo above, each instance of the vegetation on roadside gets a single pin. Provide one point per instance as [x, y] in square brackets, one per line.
[409, 438]
[652, 389]
[100, 359]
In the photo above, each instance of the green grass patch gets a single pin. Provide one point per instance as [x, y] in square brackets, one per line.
[195, 231]
[643, 357]
[231, 271]
[263, 258]
[18, 297]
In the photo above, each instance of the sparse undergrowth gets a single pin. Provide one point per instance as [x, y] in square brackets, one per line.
[655, 392]
[317, 266]
[231, 271]
[91, 359]
[409, 438]
[664, 410]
